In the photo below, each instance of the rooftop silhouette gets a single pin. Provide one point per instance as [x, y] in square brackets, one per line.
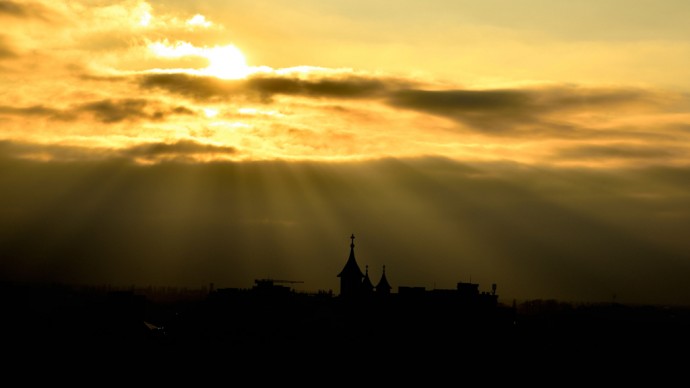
[272, 316]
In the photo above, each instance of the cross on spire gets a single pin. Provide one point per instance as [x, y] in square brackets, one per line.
[352, 244]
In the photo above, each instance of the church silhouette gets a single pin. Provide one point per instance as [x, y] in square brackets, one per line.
[354, 283]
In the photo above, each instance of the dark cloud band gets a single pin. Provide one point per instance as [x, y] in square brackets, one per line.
[112, 111]
[264, 87]
[36, 111]
[12, 8]
[181, 150]
[106, 111]
[24, 10]
[616, 151]
[495, 112]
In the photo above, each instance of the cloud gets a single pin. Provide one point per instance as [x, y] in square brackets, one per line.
[349, 87]
[25, 150]
[109, 111]
[498, 111]
[106, 111]
[454, 103]
[197, 87]
[180, 151]
[462, 101]
[113, 111]
[36, 111]
[484, 110]
[180, 148]
[24, 10]
[265, 86]
[616, 151]
[13, 9]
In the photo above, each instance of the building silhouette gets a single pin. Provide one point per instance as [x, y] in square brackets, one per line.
[262, 322]
[355, 284]
[351, 277]
[383, 287]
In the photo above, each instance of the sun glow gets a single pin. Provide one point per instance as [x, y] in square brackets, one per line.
[225, 62]
[211, 112]
[145, 20]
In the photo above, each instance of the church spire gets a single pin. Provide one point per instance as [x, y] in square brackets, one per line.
[351, 275]
[383, 288]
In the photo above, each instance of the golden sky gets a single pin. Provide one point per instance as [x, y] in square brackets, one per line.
[594, 83]
[543, 144]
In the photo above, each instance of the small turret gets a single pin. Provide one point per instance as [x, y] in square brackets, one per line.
[383, 288]
[367, 287]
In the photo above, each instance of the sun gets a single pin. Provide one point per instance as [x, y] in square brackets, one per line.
[225, 62]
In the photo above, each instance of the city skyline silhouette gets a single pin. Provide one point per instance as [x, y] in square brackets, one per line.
[262, 321]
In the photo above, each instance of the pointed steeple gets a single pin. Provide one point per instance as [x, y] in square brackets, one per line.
[367, 287]
[351, 275]
[351, 268]
[383, 288]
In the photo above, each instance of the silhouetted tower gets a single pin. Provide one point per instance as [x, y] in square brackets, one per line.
[367, 286]
[383, 288]
[351, 276]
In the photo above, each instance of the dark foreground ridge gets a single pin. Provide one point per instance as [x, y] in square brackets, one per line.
[271, 319]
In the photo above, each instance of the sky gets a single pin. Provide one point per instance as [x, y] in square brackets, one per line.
[540, 145]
